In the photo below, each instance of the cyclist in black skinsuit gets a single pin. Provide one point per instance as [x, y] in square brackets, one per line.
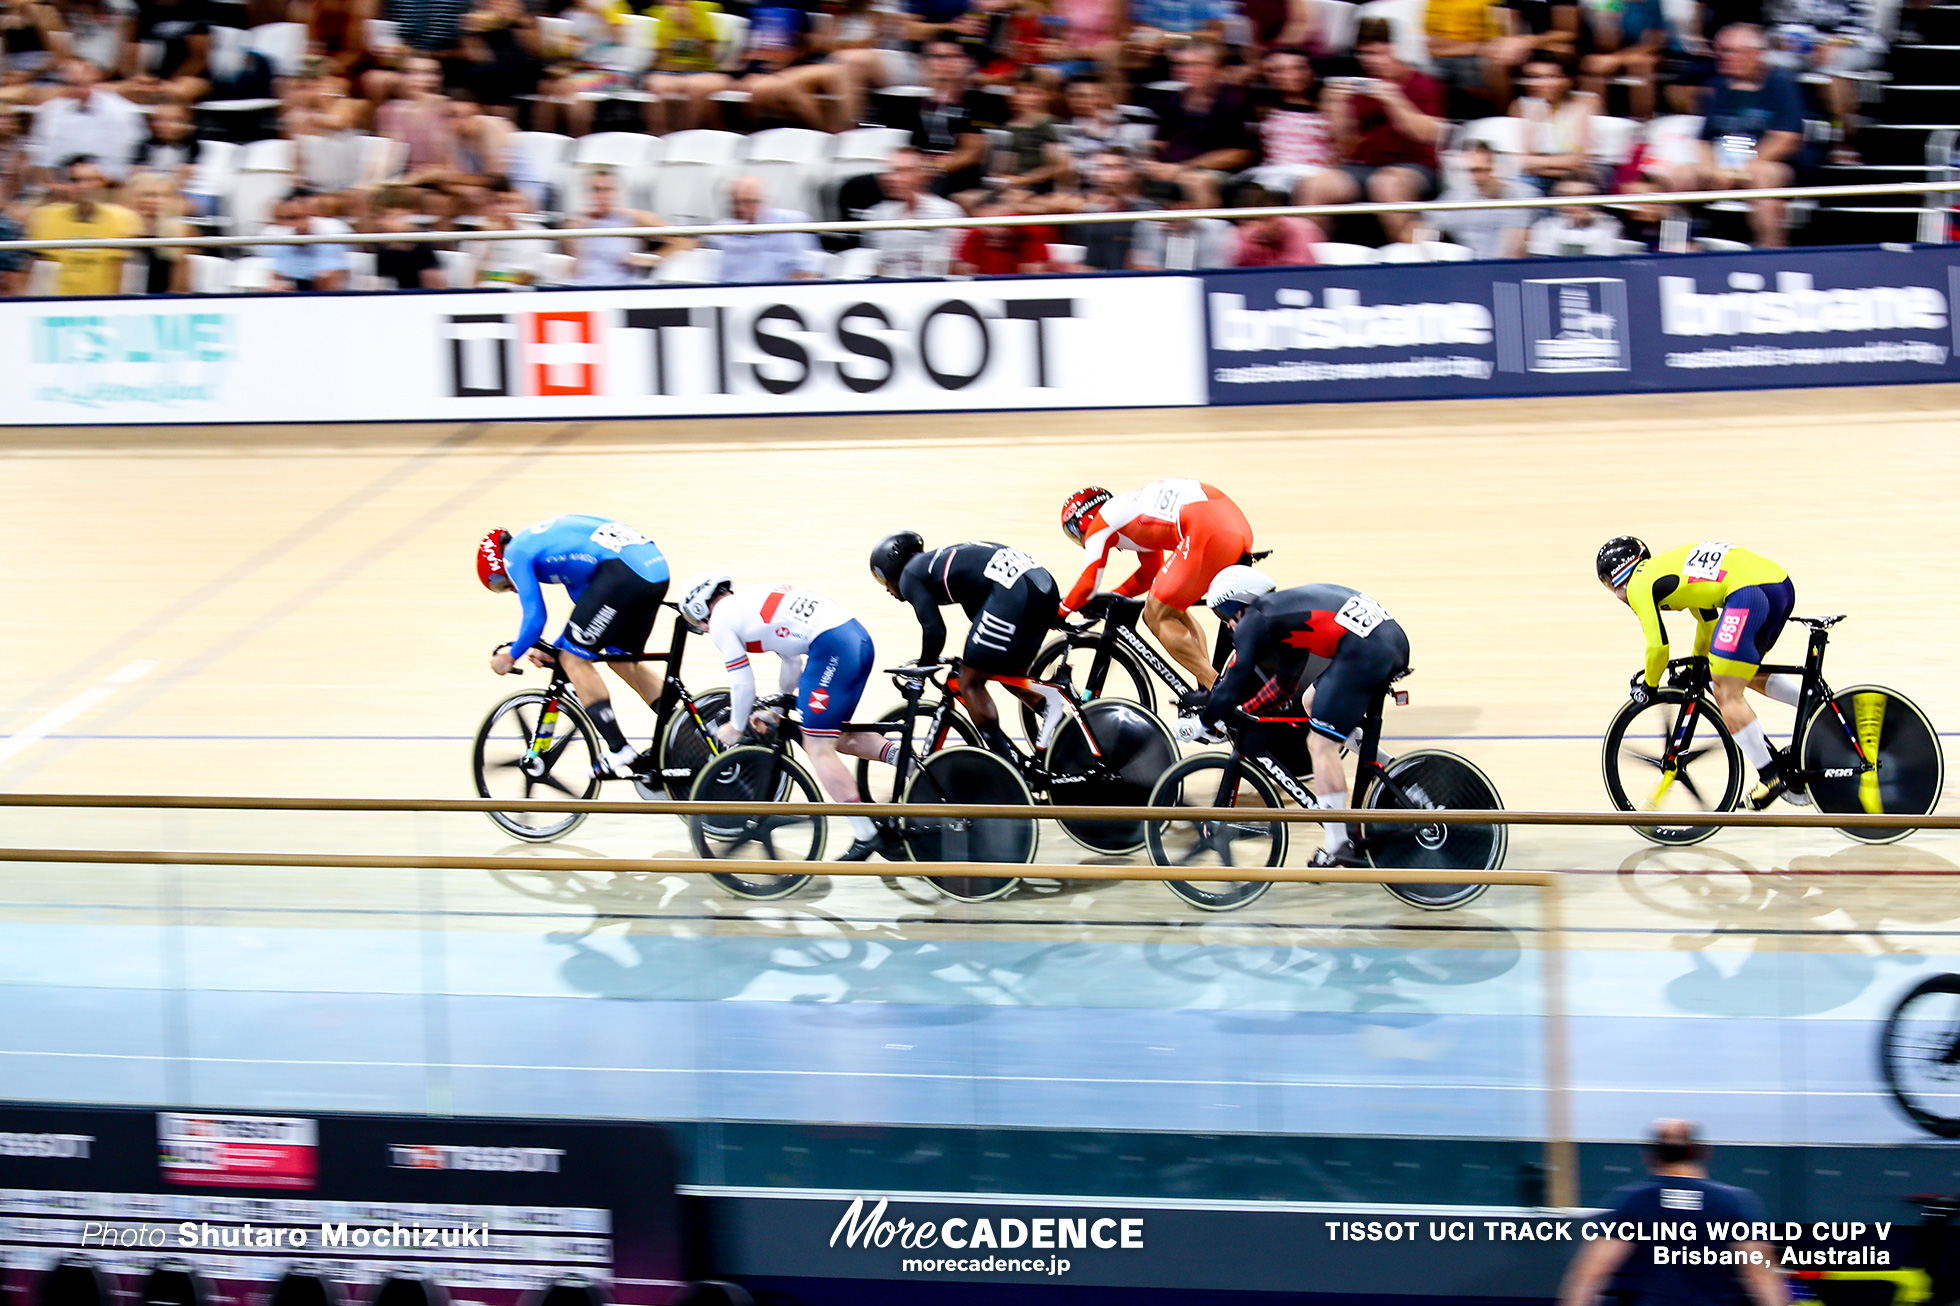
[1334, 648]
[1012, 600]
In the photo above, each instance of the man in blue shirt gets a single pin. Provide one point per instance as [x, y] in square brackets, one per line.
[1752, 131]
[616, 578]
[1699, 1270]
[747, 260]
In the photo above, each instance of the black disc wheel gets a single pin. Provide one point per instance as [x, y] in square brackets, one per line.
[878, 783]
[1919, 1055]
[1867, 721]
[969, 776]
[1707, 775]
[1126, 679]
[1135, 751]
[1203, 845]
[1432, 778]
[687, 741]
[763, 778]
[524, 751]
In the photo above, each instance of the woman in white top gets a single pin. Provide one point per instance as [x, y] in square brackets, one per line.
[1558, 122]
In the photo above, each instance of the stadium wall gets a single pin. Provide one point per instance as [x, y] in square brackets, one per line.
[1763, 319]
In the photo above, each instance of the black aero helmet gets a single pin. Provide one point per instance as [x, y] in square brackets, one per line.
[1618, 557]
[891, 555]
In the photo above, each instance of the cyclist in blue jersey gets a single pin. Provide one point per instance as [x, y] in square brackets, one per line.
[616, 578]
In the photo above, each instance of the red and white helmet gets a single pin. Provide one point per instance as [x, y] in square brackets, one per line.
[490, 558]
[1078, 507]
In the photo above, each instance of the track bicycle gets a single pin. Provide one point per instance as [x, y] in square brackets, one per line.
[1104, 655]
[1919, 1054]
[1254, 778]
[1107, 754]
[762, 773]
[1862, 749]
[542, 740]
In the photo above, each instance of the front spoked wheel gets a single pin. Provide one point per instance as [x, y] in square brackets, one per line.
[764, 778]
[962, 776]
[1433, 778]
[1707, 776]
[1888, 728]
[1194, 782]
[1126, 678]
[513, 759]
[1919, 1055]
[1136, 751]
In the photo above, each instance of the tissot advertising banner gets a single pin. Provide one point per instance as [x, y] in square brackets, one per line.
[1558, 326]
[862, 347]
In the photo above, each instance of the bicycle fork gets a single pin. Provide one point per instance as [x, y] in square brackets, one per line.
[533, 763]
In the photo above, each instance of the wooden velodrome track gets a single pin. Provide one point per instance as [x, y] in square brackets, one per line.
[290, 610]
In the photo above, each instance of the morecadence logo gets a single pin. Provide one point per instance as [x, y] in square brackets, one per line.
[979, 1239]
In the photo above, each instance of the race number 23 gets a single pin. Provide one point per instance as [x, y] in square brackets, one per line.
[1361, 615]
[1008, 566]
[1705, 561]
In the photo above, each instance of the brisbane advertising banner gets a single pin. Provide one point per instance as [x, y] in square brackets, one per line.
[192, 1208]
[1572, 326]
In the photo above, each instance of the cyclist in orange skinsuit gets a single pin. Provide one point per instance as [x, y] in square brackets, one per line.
[1186, 531]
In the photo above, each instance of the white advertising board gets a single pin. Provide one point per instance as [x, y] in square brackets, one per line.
[1077, 342]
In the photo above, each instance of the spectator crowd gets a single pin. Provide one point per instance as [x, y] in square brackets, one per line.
[335, 117]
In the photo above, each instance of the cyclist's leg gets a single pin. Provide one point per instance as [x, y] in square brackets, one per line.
[1006, 635]
[1750, 622]
[1215, 537]
[617, 605]
[834, 674]
[629, 634]
[1341, 695]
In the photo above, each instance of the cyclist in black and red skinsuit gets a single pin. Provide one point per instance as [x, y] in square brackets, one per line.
[1333, 648]
[1012, 600]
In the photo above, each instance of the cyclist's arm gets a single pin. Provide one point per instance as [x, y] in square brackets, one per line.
[1647, 606]
[1235, 685]
[1098, 547]
[741, 675]
[931, 625]
[1147, 568]
[530, 624]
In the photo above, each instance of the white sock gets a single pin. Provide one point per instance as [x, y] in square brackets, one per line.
[862, 827]
[1784, 688]
[1754, 744]
[1334, 835]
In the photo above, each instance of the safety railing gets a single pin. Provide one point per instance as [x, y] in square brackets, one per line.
[1931, 190]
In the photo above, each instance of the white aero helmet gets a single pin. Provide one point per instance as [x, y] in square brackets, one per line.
[698, 595]
[1234, 587]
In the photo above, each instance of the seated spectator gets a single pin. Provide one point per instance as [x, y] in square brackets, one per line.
[406, 264]
[771, 256]
[305, 267]
[100, 30]
[1114, 185]
[1530, 28]
[159, 207]
[1388, 126]
[916, 253]
[1281, 25]
[953, 115]
[613, 260]
[430, 27]
[1752, 131]
[1834, 39]
[16, 154]
[32, 38]
[1558, 123]
[1090, 36]
[1574, 229]
[76, 210]
[1158, 25]
[88, 119]
[1202, 129]
[180, 32]
[14, 263]
[1035, 159]
[1486, 233]
[1187, 245]
[1001, 251]
[1269, 241]
[1642, 223]
[1631, 42]
[482, 138]
[1295, 139]
[687, 66]
[421, 119]
[515, 262]
[500, 54]
[787, 73]
[866, 38]
[1095, 125]
[1460, 33]
[173, 146]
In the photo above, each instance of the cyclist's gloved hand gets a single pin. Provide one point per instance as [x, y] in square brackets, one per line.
[1639, 690]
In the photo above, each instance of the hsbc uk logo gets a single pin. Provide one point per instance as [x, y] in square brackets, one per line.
[836, 344]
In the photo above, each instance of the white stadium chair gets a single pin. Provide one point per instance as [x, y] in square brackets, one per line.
[1444, 251]
[731, 34]
[631, 155]
[282, 44]
[1069, 254]
[254, 273]
[699, 266]
[1612, 139]
[687, 185]
[1401, 251]
[556, 269]
[791, 163]
[855, 264]
[1333, 253]
[537, 164]
[1336, 20]
[1675, 139]
[1406, 16]
[361, 275]
[458, 268]
[1503, 136]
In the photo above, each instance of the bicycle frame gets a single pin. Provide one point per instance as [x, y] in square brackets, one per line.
[1370, 770]
[1119, 627]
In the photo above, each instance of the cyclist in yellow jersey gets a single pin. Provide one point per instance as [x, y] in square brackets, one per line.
[1741, 601]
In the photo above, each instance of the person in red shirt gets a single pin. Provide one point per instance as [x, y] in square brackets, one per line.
[1271, 242]
[1388, 128]
[1001, 251]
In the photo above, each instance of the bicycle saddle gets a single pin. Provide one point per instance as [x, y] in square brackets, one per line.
[1252, 559]
[1403, 674]
[1820, 623]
